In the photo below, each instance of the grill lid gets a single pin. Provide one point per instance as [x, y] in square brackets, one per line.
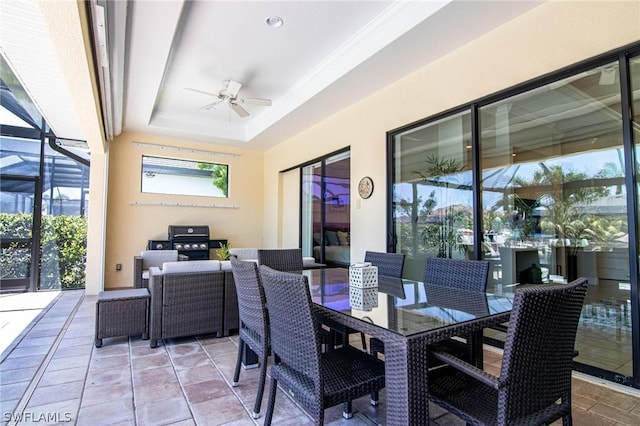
[188, 232]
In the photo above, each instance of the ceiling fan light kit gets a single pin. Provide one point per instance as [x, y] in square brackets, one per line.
[229, 96]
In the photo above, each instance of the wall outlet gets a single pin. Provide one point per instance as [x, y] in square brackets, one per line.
[118, 266]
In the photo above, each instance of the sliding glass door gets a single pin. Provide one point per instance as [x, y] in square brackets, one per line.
[554, 200]
[326, 209]
[432, 192]
[542, 181]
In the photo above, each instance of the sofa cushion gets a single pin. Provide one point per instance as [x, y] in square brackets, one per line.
[158, 257]
[244, 253]
[191, 266]
[331, 238]
[308, 261]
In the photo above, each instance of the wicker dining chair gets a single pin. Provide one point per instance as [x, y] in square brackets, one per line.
[462, 274]
[254, 322]
[459, 273]
[286, 260]
[534, 385]
[390, 265]
[317, 380]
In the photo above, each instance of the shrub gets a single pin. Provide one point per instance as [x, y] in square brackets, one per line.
[63, 249]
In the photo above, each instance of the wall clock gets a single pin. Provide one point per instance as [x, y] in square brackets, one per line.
[365, 187]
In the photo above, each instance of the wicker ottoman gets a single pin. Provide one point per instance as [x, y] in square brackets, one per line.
[122, 313]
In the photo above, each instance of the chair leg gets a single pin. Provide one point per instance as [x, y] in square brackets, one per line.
[567, 420]
[338, 339]
[263, 377]
[236, 374]
[364, 342]
[347, 411]
[375, 397]
[271, 403]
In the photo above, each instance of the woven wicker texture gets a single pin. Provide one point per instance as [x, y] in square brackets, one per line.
[149, 258]
[459, 273]
[389, 264]
[316, 380]
[122, 313]
[462, 274]
[186, 304]
[254, 323]
[407, 361]
[287, 260]
[534, 386]
[231, 310]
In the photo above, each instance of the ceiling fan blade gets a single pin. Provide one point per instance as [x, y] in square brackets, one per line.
[233, 87]
[200, 91]
[210, 106]
[238, 110]
[257, 101]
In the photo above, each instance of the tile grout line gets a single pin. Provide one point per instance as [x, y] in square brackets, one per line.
[28, 393]
[175, 371]
[133, 387]
[235, 393]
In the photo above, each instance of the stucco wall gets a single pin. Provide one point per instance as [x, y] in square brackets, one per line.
[130, 226]
[549, 37]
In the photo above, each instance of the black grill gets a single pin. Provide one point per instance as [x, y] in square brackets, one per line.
[192, 240]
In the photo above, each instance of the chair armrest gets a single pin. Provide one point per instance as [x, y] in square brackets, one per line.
[137, 271]
[182, 257]
[471, 370]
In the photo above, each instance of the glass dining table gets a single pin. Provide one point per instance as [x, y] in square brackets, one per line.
[406, 316]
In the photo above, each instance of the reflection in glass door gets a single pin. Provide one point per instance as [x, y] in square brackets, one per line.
[555, 203]
[326, 210]
[544, 183]
[17, 197]
[634, 72]
[433, 193]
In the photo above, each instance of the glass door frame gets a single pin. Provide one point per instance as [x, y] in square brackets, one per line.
[30, 282]
[322, 162]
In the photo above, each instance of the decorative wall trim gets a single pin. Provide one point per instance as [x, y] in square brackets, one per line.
[188, 150]
[161, 204]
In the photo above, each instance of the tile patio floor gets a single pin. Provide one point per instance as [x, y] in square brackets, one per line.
[53, 374]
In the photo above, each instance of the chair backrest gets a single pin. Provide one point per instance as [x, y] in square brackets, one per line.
[472, 302]
[252, 304]
[286, 260]
[539, 348]
[192, 266]
[244, 253]
[459, 273]
[157, 257]
[389, 264]
[294, 337]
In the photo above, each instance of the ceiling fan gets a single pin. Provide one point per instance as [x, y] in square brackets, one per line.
[229, 96]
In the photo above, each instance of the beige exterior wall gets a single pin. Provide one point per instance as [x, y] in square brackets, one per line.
[130, 226]
[551, 36]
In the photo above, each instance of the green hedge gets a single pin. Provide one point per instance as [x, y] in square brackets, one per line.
[63, 249]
